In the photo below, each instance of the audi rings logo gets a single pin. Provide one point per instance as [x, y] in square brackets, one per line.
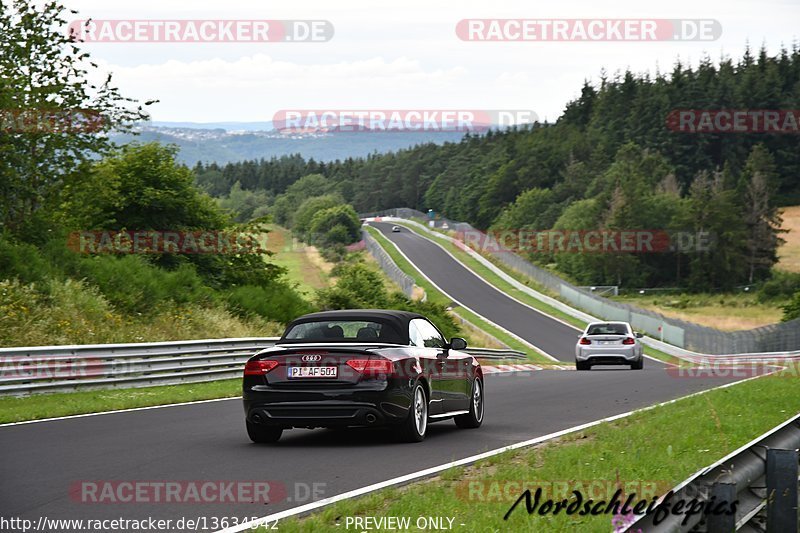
[310, 358]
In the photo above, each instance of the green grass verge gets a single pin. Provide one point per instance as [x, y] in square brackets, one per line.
[608, 455]
[301, 269]
[723, 311]
[434, 295]
[37, 406]
[487, 274]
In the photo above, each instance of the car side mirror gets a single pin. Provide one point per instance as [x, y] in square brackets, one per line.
[457, 343]
[638, 335]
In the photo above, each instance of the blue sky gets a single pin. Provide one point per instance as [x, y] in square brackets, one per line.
[403, 55]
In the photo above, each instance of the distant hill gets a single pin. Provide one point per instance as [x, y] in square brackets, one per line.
[224, 142]
[228, 126]
[616, 159]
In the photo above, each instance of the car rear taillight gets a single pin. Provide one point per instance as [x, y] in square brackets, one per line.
[259, 368]
[628, 340]
[584, 340]
[371, 367]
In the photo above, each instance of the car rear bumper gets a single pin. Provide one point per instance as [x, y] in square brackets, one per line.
[608, 356]
[610, 360]
[330, 408]
[309, 415]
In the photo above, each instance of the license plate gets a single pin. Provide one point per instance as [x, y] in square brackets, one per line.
[608, 342]
[294, 372]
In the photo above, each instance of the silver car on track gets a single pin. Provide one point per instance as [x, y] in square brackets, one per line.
[609, 343]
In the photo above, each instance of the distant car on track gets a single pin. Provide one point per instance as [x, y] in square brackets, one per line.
[364, 368]
[609, 343]
[395, 229]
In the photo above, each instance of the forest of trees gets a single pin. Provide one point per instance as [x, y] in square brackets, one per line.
[610, 161]
[60, 180]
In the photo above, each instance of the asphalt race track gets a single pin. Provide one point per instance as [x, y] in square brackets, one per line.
[40, 462]
[554, 337]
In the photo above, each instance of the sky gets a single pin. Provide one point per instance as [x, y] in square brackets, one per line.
[404, 55]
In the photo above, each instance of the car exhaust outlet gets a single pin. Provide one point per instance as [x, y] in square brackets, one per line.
[371, 418]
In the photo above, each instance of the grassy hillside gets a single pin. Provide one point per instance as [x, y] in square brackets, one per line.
[727, 312]
[789, 252]
[305, 266]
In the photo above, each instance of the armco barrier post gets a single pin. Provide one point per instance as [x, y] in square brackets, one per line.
[781, 491]
[722, 523]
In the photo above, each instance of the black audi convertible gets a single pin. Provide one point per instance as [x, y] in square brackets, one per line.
[361, 368]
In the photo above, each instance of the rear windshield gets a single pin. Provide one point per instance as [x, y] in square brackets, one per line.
[607, 329]
[343, 331]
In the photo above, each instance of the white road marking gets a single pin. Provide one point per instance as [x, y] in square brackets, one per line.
[485, 368]
[494, 324]
[508, 279]
[117, 411]
[269, 519]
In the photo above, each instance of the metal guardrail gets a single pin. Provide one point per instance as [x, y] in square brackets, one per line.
[102, 366]
[491, 353]
[762, 476]
[406, 282]
[782, 337]
[464, 321]
[105, 366]
[388, 265]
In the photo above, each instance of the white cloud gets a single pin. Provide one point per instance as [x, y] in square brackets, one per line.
[254, 87]
[404, 55]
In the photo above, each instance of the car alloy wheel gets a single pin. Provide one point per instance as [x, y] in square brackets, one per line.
[420, 411]
[477, 400]
[474, 418]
